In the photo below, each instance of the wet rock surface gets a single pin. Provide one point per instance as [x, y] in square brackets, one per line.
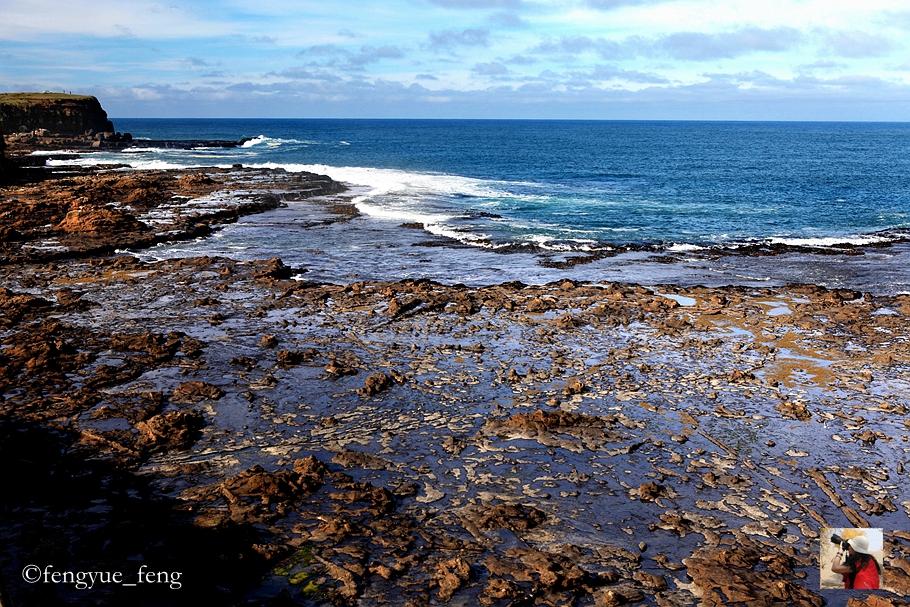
[412, 443]
[100, 212]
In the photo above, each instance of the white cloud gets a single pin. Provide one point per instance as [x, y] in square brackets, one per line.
[24, 19]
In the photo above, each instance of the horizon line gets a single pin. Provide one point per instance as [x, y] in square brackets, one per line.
[738, 120]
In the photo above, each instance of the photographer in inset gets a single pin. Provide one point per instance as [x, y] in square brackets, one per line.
[859, 569]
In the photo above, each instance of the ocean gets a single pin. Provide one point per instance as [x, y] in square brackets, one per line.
[640, 201]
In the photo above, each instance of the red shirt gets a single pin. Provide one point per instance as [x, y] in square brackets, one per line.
[865, 579]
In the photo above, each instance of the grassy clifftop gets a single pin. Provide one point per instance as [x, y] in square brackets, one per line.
[25, 99]
[57, 113]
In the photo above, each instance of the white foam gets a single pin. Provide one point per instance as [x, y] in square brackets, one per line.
[152, 164]
[144, 150]
[52, 152]
[477, 240]
[684, 247]
[564, 245]
[257, 140]
[90, 160]
[272, 142]
[395, 181]
[832, 241]
[401, 214]
[402, 194]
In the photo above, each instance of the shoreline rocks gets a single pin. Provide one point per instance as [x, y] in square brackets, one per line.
[568, 443]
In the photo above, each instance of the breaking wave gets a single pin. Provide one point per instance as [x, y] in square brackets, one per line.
[487, 213]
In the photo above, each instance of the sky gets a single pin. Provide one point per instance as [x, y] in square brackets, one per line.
[563, 59]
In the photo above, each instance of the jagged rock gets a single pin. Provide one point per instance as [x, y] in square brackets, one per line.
[273, 269]
[292, 358]
[794, 410]
[3, 236]
[171, 430]
[359, 459]
[375, 383]
[18, 306]
[339, 368]
[196, 391]
[450, 575]
[537, 305]
[725, 576]
[573, 431]
[515, 517]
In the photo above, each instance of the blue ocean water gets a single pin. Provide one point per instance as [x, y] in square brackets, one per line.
[583, 185]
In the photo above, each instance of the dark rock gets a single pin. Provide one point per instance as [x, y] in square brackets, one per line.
[272, 268]
[56, 113]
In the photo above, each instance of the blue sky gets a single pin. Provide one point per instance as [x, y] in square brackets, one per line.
[610, 59]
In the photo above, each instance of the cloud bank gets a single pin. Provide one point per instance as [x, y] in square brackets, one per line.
[784, 59]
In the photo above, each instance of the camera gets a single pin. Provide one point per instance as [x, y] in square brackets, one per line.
[836, 539]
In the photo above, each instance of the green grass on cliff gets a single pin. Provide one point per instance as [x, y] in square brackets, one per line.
[38, 98]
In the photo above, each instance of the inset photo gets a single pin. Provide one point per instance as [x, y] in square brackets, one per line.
[851, 559]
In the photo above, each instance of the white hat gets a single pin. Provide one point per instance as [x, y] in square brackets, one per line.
[860, 544]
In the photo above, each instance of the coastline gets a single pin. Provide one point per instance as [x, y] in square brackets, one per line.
[396, 441]
[381, 245]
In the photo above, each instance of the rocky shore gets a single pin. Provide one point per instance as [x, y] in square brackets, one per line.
[280, 441]
[54, 121]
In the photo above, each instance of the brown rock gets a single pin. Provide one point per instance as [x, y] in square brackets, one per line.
[272, 269]
[292, 358]
[99, 221]
[450, 575]
[649, 492]
[195, 180]
[268, 341]
[650, 581]
[498, 589]
[339, 368]
[359, 459]
[171, 430]
[794, 410]
[574, 386]
[730, 576]
[738, 375]
[374, 384]
[196, 391]
[515, 517]
[537, 305]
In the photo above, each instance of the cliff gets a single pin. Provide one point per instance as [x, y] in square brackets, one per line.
[57, 113]
[2, 155]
